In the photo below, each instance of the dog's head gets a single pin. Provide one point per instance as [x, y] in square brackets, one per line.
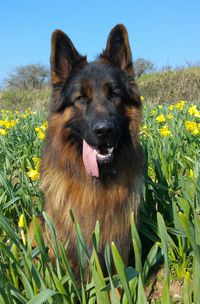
[98, 101]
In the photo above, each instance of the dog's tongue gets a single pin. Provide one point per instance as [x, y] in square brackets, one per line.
[90, 160]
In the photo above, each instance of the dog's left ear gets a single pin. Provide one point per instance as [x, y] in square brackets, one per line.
[118, 50]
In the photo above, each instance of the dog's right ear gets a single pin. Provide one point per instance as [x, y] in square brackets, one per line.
[64, 57]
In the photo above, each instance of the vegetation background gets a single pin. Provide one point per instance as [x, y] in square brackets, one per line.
[166, 266]
[28, 86]
[166, 245]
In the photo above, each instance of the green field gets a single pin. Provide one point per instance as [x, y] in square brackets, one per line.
[168, 234]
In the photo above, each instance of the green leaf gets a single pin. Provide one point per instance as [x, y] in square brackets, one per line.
[9, 231]
[8, 252]
[98, 279]
[96, 236]
[187, 289]
[152, 258]
[137, 246]
[165, 299]
[52, 232]
[43, 296]
[39, 239]
[189, 230]
[121, 271]
[196, 280]
[111, 286]
[14, 293]
[26, 284]
[11, 202]
[68, 269]
[164, 239]
[141, 294]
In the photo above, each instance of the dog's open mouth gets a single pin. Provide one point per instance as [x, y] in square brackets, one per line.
[104, 154]
[94, 156]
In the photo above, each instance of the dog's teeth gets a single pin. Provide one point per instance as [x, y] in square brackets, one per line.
[110, 150]
[104, 157]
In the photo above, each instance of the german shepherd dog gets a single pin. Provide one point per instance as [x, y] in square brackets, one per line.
[92, 159]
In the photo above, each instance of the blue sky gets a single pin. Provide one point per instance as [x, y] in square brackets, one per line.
[166, 32]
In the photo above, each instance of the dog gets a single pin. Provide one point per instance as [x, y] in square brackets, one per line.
[92, 160]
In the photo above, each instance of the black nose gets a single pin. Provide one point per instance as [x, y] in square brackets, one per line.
[104, 129]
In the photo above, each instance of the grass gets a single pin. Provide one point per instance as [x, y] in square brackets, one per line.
[169, 224]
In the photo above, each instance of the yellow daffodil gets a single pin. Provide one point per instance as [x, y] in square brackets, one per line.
[160, 118]
[43, 127]
[10, 124]
[21, 221]
[192, 126]
[36, 161]
[191, 173]
[171, 107]
[3, 132]
[40, 130]
[33, 174]
[25, 115]
[194, 111]
[164, 131]
[180, 105]
[195, 131]
[41, 135]
[144, 130]
[153, 112]
[21, 225]
[170, 116]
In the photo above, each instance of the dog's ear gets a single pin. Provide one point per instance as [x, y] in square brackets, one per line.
[118, 50]
[64, 57]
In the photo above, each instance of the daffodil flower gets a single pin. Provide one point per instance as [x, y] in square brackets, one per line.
[33, 174]
[21, 224]
[165, 131]
[160, 118]
[3, 132]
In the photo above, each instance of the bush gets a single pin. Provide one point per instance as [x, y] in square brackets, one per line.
[143, 66]
[27, 77]
[22, 99]
[171, 85]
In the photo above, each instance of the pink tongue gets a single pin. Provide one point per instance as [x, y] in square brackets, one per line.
[90, 160]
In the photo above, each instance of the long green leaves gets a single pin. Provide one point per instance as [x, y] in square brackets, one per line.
[169, 219]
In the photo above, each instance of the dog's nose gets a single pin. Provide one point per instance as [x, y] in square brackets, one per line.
[104, 129]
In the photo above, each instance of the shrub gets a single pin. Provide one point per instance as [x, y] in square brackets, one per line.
[171, 85]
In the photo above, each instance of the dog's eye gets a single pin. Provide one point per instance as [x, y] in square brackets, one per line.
[113, 94]
[82, 99]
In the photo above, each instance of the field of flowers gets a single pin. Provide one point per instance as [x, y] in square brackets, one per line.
[168, 234]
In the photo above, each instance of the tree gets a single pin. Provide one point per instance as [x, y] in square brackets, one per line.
[143, 66]
[31, 76]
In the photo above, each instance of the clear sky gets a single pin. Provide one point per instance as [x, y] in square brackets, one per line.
[166, 32]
